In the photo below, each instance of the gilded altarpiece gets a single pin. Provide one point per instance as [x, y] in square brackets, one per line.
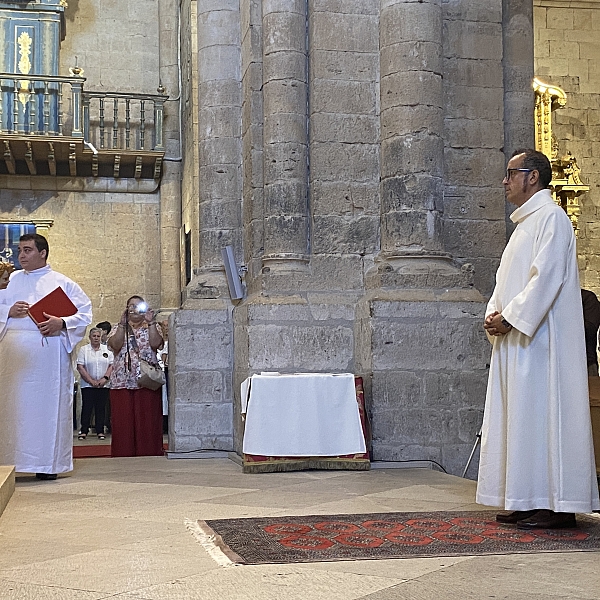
[566, 184]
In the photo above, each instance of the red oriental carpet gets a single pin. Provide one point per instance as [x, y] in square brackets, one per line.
[381, 536]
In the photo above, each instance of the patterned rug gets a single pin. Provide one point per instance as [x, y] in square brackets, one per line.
[318, 538]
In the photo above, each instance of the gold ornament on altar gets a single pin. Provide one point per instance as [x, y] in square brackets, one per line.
[566, 185]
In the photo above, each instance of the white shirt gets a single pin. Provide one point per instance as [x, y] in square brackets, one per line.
[96, 362]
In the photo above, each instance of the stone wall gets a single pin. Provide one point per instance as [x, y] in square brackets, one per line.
[567, 54]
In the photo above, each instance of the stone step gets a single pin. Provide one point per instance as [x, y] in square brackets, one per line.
[7, 486]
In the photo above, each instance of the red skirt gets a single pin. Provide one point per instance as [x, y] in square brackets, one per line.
[136, 422]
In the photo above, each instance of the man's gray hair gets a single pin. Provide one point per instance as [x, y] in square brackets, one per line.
[95, 329]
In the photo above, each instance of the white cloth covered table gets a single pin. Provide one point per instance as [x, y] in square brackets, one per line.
[302, 414]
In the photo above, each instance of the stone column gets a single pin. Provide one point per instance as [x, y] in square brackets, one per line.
[412, 147]
[170, 190]
[517, 63]
[252, 136]
[201, 333]
[219, 127]
[285, 133]
[517, 43]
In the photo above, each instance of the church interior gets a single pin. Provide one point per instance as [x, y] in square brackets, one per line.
[349, 153]
[297, 186]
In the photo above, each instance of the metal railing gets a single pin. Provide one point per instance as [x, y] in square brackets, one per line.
[34, 105]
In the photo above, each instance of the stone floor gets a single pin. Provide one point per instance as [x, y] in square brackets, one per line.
[115, 528]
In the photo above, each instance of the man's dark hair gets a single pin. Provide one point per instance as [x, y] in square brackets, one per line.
[41, 243]
[537, 161]
[105, 326]
[135, 298]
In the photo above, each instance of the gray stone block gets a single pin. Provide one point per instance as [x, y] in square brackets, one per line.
[474, 10]
[474, 238]
[202, 387]
[220, 151]
[284, 127]
[284, 96]
[470, 133]
[465, 202]
[285, 233]
[284, 32]
[347, 97]
[406, 120]
[344, 32]
[220, 92]
[347, 66]
[335, 234]
[288, 65]
[219, 27]
[412, 229]
[413, 191]
[410, 22]
[360, 7]
[411, 56]
[210, 348]
[428, 345]
[354, 162]
[350, 129]
[285, 198]
[344, 197]
[219, 63]
[468, 39]
[412, 153]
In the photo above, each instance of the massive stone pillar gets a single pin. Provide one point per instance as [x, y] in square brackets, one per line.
[517, 63]
[412, 146]
[201, 337]
[252, 137]
[286, 224]
[170, 190]
[418, 331]
[219, 129]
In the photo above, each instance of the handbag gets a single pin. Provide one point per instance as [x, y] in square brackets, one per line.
[151, 377]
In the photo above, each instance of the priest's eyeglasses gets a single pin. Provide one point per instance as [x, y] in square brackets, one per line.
[509, 172]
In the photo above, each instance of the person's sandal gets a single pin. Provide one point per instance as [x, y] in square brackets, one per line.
[82, 436]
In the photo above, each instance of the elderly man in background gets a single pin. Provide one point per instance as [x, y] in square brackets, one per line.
[537, 456]
[36, 377]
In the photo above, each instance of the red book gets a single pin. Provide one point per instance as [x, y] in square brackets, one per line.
[56, 303]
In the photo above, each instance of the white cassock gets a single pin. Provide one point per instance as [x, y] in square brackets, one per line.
[36, 376]
[536, 444]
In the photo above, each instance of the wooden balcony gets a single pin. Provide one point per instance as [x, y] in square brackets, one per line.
[51, 126]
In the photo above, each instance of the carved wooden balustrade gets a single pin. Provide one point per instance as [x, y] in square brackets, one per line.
[49, 125]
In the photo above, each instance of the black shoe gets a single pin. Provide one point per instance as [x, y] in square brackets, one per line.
[548, 519]
[46, 476]
[512, 517]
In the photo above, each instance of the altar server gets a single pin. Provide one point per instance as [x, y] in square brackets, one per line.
[537, 456]
[36, 376]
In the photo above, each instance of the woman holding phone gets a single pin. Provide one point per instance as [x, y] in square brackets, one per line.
[136, 412]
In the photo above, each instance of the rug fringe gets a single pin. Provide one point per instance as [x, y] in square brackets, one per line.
[210, 543]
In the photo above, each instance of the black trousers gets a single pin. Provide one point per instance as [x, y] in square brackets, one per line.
[96, 399]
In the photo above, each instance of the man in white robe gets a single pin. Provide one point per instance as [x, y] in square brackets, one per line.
[36, 375]
[537, 457]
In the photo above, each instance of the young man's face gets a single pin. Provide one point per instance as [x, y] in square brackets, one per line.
[30, 257]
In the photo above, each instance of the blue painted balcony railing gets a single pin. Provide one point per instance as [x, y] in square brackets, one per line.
[33, 105]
